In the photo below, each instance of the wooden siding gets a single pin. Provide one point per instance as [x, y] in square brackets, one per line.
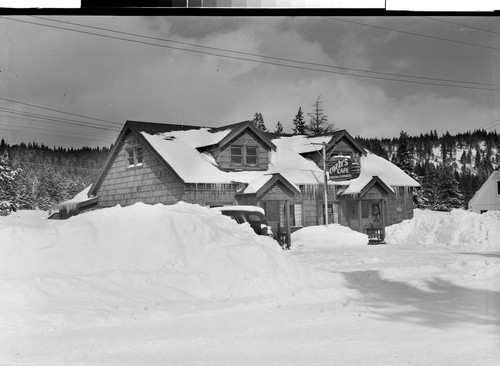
[150, 183]
[223, 157]
[399, 205]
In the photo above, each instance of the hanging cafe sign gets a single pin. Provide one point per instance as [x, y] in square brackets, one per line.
[343, 168]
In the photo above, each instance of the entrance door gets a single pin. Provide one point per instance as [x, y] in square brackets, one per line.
[376, 214]
[272, 209]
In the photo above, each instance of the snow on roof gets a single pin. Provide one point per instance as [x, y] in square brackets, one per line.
[188, 163]
[240, 208]
[301, 144]
[255, 184]
[80, 197]
[178, 148]
[373, 165]
[197, 138]
[483, 195]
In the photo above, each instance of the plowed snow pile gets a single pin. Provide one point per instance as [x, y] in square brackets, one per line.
[322, 237]
[183, 248]
[457, 228]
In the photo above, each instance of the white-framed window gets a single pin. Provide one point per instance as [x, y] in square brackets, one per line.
[134, 156]
[244, 155]
[498, 187]
[295, 214]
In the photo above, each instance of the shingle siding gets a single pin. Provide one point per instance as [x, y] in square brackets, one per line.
[149, 183]
[224, 156]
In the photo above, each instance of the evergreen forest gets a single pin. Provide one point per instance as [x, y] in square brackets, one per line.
[35, 176]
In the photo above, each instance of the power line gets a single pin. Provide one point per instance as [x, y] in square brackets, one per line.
[266, 62]
[58, 110]
[416, 34]
[56, 119]
[263, 56]
[24, 127]
[462, 25]
[71, 137]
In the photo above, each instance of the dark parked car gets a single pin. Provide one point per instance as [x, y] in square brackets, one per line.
[253, 215]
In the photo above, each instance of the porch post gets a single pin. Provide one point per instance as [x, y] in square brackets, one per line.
[382, 213]
[287, 223]
[360, 218]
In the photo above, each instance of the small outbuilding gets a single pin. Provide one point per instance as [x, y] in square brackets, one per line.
[487, 198]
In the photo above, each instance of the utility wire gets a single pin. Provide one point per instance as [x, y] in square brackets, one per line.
[263, 56]
[415, 34]
[261, 61]
[56, 119]
[19, 127]
[462, 25]
[58, 110]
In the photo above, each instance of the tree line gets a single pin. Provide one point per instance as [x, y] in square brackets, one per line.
[34, 176]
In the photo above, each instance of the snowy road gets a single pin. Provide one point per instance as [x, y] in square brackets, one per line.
[411, 311]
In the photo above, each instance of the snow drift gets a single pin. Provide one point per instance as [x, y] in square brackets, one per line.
[468, 230]
[187, 248]
[322, 237]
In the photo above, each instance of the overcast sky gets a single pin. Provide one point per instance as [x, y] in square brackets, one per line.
[155, 79]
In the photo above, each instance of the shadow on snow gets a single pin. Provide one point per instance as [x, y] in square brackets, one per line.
[442, 304]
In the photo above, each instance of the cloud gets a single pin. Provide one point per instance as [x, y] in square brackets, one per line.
[117, 80]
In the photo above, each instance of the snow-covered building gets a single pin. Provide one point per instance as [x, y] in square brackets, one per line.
[239, 164]
[487, 198]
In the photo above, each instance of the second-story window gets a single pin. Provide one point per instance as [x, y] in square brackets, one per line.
[244, 155]
[134, 156]
[251, 155]
[236, 155]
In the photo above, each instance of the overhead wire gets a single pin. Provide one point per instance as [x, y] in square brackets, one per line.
[58, 110]
[462, 25]
[57, 119]
[415, 33]
[263, 56]
[273, 63]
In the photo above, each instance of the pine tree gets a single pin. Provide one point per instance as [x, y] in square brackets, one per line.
[258, 121]
[404, 154]
[299, 125]
[8, 178]
[429, 189]
[448, 194]
[318, 123]
[278, 128]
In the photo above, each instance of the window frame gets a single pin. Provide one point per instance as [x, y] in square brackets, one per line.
[135, 156]
[245, 156]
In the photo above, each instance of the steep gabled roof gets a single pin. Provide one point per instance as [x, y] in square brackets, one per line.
[136, 127]
[261, 185]
[339, 135]
[237, 129]
[376, 182]
[483, 195]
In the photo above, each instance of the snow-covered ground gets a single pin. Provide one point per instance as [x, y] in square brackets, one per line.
[184, 285]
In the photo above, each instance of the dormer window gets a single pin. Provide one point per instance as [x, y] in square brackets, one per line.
[244, 155]
[251, 156]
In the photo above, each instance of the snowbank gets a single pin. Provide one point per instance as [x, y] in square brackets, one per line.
[464, 229]
[188, 248]
[322, 237]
